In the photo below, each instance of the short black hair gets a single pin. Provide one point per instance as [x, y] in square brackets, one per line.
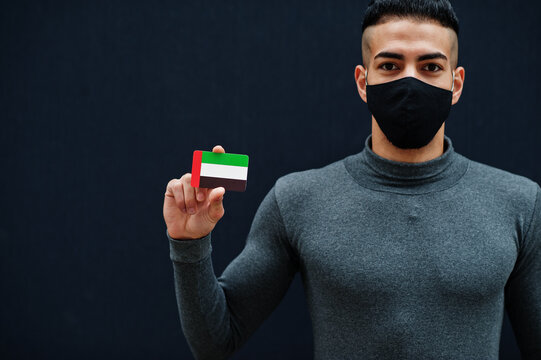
[438, 10]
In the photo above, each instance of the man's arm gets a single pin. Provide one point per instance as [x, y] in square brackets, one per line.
[523, 289]
[219, 314]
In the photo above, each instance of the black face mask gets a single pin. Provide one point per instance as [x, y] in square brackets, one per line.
[409, 111]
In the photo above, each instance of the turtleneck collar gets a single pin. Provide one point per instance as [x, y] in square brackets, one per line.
[375, 172]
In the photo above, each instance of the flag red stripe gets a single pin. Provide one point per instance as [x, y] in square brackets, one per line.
[196, 167]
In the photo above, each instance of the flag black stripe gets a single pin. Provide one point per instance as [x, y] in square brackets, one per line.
[228, 184]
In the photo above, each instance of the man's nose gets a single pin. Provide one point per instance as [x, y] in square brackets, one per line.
[410, 71]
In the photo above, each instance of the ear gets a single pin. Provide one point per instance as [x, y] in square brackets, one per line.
[459, 83]
[361, 81]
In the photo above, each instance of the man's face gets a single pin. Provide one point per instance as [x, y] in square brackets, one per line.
[404, 47]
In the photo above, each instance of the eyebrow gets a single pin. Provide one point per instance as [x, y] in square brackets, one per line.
[392, 55]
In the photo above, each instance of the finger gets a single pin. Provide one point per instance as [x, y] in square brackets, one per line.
[169, 188]
[174, 191]
[178, 193]
[216, 208]
[218, 149]
[201, 194]
[189, 194]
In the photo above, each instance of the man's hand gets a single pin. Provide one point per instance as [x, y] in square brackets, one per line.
[189, 212]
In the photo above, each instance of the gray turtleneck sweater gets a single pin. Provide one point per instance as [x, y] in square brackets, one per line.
[398, 261]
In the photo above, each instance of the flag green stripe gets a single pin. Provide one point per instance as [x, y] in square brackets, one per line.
[224, 159]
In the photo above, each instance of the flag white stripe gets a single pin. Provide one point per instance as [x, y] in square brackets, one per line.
[224, 171]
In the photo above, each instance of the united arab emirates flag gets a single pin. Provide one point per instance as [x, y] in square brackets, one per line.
[210, 170]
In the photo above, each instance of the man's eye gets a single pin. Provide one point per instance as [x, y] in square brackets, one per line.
[388, 66]
[433, 67]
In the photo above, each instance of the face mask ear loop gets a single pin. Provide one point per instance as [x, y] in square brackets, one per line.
[366, 77]
[453, 87]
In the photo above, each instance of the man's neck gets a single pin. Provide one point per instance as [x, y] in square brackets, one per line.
[382, 147]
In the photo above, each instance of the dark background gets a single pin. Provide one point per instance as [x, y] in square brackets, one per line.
[103, 102]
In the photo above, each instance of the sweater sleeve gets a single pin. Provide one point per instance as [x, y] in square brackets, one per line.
[523, 288]
[219, 314]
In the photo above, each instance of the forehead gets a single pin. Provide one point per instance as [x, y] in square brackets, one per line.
[409, 36]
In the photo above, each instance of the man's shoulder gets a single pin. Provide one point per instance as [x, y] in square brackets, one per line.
[500, 181]
[298, 184]
[499, 177]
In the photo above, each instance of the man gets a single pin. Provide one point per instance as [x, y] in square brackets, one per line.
[407, 249]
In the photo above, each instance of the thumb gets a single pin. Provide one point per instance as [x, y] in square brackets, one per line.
[216, 208]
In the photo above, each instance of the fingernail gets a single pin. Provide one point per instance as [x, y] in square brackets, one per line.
[191, 210]
[200, 196]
